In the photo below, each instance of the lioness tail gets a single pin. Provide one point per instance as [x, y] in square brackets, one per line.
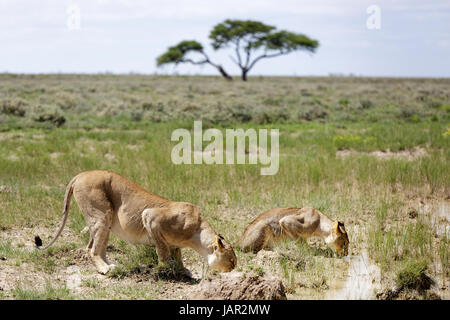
[67, 197]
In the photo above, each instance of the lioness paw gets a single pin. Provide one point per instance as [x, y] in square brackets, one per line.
[106, 268]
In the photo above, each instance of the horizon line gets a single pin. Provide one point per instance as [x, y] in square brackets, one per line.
[131, 73]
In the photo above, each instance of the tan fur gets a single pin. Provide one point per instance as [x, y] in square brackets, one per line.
[293, 223]
[110, 202]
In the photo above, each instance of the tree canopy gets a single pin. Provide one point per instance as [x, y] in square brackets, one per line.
[177, 54]
[250, 40]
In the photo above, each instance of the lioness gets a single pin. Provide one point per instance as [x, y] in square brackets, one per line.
[293, 223]
[110, 202]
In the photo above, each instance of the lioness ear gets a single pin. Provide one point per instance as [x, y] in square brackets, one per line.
[341, 227]
[219, 242]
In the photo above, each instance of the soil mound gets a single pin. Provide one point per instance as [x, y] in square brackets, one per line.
[239, 286]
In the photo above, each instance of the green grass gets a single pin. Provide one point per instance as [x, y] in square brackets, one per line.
[443, 250]
[413, 275]
[45, 261]
[47, 293]
[133, 259]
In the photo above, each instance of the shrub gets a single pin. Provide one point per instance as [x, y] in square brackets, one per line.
[136, 115]
[343, 102]
[445, 107]
[446, 133]
[240, 113]
[66, 100]
[266, 116]
[313, 113]
[366, 104]
[48, 114]
[272, 101]
[409, 114]
[415, 118]
[15, 107]
[434, 105]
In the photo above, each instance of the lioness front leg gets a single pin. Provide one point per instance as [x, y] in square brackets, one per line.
[150, 221]
[175, 253]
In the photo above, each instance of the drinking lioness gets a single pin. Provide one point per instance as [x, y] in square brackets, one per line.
[293, 223]
[110, 202]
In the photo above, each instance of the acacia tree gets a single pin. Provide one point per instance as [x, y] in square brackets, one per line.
[250, 40]
[179, 54]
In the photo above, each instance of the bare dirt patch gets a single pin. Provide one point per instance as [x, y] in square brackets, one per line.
[408, 155]
[55, 155]
[13, 157]
[11, 135]
[134, 147]
[6, 189]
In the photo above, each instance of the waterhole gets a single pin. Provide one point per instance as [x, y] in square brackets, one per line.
[361, 283]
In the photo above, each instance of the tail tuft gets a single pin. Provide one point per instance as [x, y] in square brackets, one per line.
[37, 241]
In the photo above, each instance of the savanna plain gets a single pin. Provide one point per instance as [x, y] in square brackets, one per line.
[372, 152]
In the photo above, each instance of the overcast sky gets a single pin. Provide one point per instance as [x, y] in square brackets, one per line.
[122, 36]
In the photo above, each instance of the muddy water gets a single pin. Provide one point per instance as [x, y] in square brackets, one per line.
[362, 281]
[441, 219]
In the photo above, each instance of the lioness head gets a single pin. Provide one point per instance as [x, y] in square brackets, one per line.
[340, 238]
[223, 258]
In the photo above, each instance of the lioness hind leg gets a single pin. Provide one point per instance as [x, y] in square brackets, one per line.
[98, 213]
[91, 241]
[99, 244]
[256, 239]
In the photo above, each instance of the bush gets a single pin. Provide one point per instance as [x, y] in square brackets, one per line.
[240, 114]
[366, 104]
[66, 100]
[445, 107]
[267, 116]
[409, 114]
[14, 107]
[273, 101]
[434, 104]
[313, 113]
[48, 114]
[343, 102]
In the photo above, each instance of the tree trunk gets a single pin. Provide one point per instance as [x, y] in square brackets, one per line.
[226, 75]
[244, 74]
